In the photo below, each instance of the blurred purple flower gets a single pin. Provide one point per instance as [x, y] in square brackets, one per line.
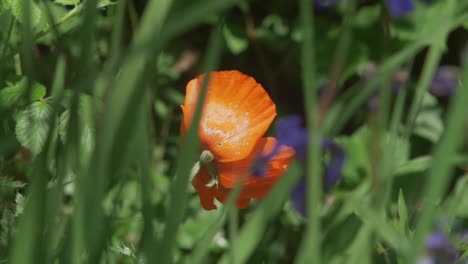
[399, 79]
[334, 169]
[325, 3]
[298, 197]
[439, 249]
[290, 132]
[445, 81]
[399, 8]
[464, 236]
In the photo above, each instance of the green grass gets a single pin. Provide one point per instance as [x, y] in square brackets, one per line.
[111, 182]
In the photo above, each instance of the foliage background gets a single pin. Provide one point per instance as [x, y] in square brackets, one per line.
[91, 167]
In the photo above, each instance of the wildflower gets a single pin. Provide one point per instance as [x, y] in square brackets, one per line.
[290, 133]
[399, 8]
[445, 81]
[439, 250]
[236, 113]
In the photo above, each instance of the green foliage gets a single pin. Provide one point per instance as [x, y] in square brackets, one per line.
[15, 93]
[67, 2]
[32, 126]
[93, 169]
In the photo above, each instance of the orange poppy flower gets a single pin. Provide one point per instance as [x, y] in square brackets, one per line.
[236, 113]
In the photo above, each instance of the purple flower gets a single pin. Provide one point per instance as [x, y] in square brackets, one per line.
[439, 249]
[399, 8]
[298, 197]
[334, 169]
[445, 81]
[325, 3]
[290, 132]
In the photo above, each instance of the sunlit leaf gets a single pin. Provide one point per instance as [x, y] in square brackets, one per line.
[33, 125]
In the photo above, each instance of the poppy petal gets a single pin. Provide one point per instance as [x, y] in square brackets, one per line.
[236, 113]
[208, 194]
[205, 193]
[254, 186]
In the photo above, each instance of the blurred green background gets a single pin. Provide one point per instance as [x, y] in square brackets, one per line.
[91, 165]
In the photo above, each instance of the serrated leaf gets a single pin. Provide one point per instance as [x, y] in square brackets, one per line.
[10, 183]
[13, 93]
[38, 91]
[20, 201]
[429, 123]
[32, 126]
[10, 95]
[35, 12]
[6, 223]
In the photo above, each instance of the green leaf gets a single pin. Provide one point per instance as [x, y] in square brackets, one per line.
[357, 163]
[18, 12]
[5, 5]
[6, 224]
[416, 165]
[33, 125]
[459, 200]
[429, 123]
[85, 113]
[105, 3]
[20, 201]
[13, 93]
[421, 164]
[67, 2]
[403, 213]
[7, 182]
[367, 16]
[236, 42]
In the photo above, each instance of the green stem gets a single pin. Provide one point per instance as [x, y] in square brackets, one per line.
[439, 173]
[310, 249]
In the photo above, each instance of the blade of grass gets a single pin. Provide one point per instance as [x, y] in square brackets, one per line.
[28, 238]
[442, 165]
[310, 248]
[252, 232]
[433, 58]
[233, 224]
[54, 200]
[178, 189]
[339, 60]
[147, 241]
[119, 114]
[203, 246]
[117, 30]
[31, 235]
[344, 109]
[89, 225]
